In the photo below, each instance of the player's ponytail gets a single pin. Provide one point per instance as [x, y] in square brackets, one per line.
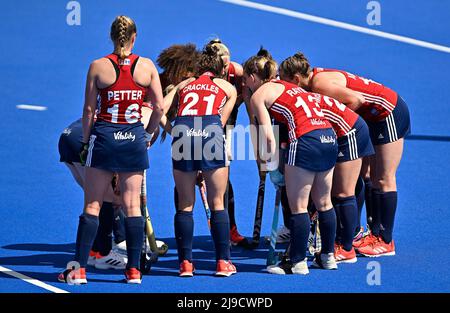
[122, 29]
[262, 64]
[222, 49]
[296, 64]
[210, 61]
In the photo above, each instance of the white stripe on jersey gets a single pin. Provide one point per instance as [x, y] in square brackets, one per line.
[378, 100]
[289, 116]
[339, 120]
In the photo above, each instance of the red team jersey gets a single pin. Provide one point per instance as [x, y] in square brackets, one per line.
[121, 102]
[201, 97]
[299, 110]
[380, 100]
[340, 117]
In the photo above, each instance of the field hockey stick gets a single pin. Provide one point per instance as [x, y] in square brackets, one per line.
[272, 257]
[148, 224]
[259, 209]
[202, 189]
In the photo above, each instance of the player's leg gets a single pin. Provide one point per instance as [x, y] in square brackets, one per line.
[298, 186]
[130, 188]
[345, 178]
[96, 184]
[216, 185]
[184, 222]
[321, 196]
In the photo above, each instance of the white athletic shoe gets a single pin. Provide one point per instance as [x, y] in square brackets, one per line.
[92, 258]
[325, 261]
[283, 235]
[113, 260]
[300, 268]
[121, 247]
[282, 268]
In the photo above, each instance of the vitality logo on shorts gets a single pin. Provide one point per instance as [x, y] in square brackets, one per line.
[67, 131]
[327, 139]
[317, 122]
[197, 133]
[124, 136]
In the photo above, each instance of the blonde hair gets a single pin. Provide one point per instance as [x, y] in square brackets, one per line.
[262, 64]
[222, 49]
[122, 29]
[296, 64]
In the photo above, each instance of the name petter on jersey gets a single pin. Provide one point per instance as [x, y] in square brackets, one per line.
[124, 95]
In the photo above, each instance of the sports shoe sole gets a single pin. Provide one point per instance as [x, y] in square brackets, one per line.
[134, 281]
[186, 275]
[224, 274]
[378, 255]
[349, 261]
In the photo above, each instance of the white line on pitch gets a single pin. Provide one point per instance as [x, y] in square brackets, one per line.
[31, 107]
[330, 22]
[30, 280]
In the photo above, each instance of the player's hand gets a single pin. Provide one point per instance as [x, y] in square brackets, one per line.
[277, 178]
[148, 139]
[83, 153]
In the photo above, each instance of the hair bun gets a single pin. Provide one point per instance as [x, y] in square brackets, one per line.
[300, 56]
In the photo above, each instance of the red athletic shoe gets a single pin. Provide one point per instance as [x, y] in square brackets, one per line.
[133, 276]
[186, 269]
[237, 239]
[378, 248]
[225, 268]
[343, 256]
[364, 241]
[73, 276]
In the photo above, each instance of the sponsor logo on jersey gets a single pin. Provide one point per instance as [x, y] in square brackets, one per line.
[327, 139]
[124, 136]
[125, 62]
[67, 131]
[197, 133]
[317, 122]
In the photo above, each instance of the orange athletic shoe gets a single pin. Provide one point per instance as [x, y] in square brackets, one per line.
[237, 239]
[378, 248]
[73, 276]
[225, 268]
[133, 276]
[186, 269]
[364, 241]
[343, 256]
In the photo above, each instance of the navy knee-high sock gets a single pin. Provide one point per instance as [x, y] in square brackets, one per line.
[220, 232]
[299, 236]
[229, 200]
[388, 203]
[119, 225]
[368, 201]
[103, 239]
[327, 226]
[339, 226]
[184, 235]
[87, 229]
[360, 197]
[376, 212]
[348, 218]
[134, 231]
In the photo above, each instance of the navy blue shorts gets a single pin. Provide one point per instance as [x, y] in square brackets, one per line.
[117, 147]
[397, 125]
[356, 144]
[315, 151]
[70, 143]
[198, 143]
